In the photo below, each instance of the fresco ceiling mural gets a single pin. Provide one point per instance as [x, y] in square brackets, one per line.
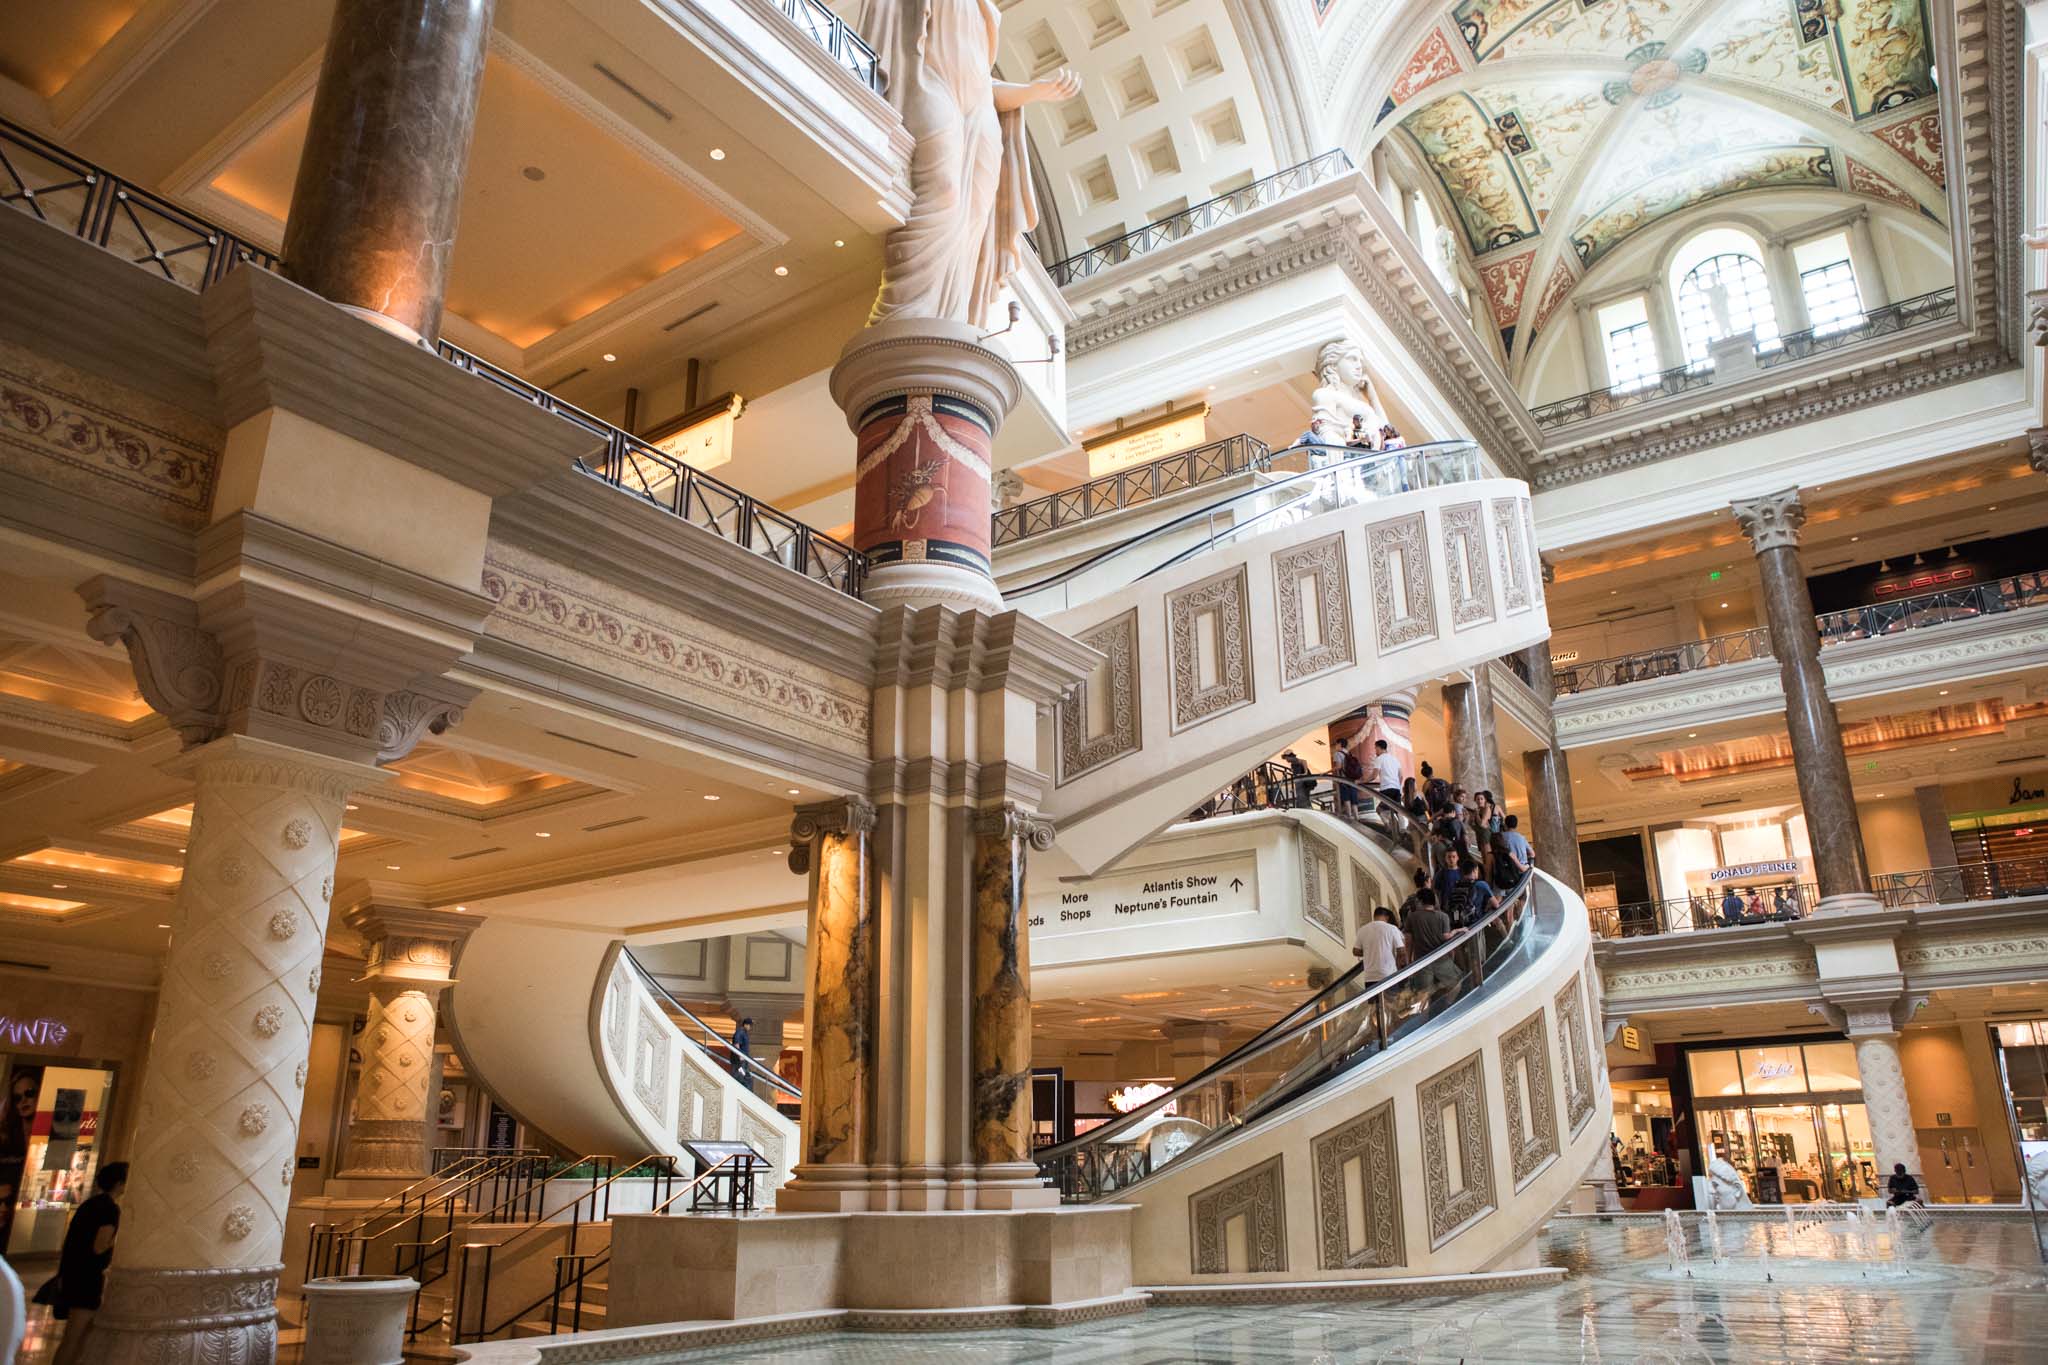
[1560, 128]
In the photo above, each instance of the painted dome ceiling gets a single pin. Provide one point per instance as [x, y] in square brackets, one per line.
[1559, 129]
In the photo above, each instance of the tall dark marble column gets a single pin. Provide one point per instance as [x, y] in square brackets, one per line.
[1000, 1012]
[1553, 824]
[1772, 524]
[1468, 732]
[372, 223]
[829, 840]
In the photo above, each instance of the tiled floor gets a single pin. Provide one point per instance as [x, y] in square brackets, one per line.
[1978, 1297]
[1984, 1302]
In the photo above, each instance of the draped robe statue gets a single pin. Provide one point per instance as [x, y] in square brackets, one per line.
[970, 181]
[1344, 392]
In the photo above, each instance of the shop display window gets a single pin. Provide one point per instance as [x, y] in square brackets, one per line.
[1773, 1071]
[1832, 1066]
[49, 1150]
[1715, 1073]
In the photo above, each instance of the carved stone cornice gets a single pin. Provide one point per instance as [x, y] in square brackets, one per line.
[1772, 522]
[408, 943]
[940, 647]
[841, 817]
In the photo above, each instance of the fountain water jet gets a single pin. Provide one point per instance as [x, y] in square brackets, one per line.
[1674, 1241]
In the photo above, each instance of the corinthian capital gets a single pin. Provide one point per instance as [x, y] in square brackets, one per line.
[842, 815]
[178, 667]
[1011, 821]
[1772, 522]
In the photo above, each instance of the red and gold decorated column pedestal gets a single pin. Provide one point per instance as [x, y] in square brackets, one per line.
[925, 399]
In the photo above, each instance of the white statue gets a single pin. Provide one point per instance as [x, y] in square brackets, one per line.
[970, 183]
[1725, 1184]
[1345, 406]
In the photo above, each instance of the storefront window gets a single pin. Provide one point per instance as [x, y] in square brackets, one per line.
[1715, 1073]
[1832, 1066]
[1773, 1071]
[49, 1150]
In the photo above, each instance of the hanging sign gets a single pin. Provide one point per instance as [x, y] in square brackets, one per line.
[1198, 889]
[701, 437]
[1784, 867]
[1133, 445]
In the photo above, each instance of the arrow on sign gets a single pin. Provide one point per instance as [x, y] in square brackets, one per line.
[1237, 883]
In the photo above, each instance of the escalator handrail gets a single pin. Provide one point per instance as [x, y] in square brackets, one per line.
[754, 1068]
[1284, 1029]
[1350, 460]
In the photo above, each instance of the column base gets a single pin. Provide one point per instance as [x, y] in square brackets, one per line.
[1013, 1185]
[187, 1317]
[1848, 903]
[393, 1149]
[927, 584]
[383, 323]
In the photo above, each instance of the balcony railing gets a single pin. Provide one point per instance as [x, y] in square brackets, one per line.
[70, 193]
[632, 465]
[1730, 907]
[1207, 214]
[1836, 627]
[1130, 487]
[1889, 320]
[830, 32]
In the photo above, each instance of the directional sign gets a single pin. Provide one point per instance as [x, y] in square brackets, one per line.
[1160, 894]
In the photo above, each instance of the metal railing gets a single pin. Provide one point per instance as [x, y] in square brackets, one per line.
[633, 466]
[1132, 487]
[495, 1181]
[750, 1071]
[1207, 214]
[658, 1167]
[832, 33]
[1889, 320]
[1836, 627]
[1729, 907]
[70, 193]
[1273, 786]
[1348, 1023]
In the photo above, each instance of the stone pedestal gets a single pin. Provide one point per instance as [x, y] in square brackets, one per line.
[924, 398]
[372, 222]
[1822, 768]
[1005, 1175]
[357, 1320]
[411, 950]
[195, 1274]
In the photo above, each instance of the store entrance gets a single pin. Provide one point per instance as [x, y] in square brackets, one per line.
[1797, 1153]
[49, 1149]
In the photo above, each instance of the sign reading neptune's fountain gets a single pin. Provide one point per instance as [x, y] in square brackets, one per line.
[1152, 897]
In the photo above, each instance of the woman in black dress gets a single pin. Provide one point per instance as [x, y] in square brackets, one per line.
[82, 1264]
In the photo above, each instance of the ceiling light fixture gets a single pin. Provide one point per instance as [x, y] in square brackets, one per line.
[796, 791]
[461, 909]
[163, 926]
[392, 867]
[533, 173]
[351, 806]
[1942, 693]
[782, 270]
[718, 153]
[60, 886]
[710, 796]
[543, 834]
[609, 357]
[839, 241]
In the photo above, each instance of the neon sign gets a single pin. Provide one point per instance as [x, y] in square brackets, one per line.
[1921, 582]
[34, 1032]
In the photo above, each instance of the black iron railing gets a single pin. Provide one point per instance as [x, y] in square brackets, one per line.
[1889, 320]
[1207, 214]
[1836, 627]
[632, 465]
[1131, 487]
[1738, 904]
[88, 201]
[832, 33]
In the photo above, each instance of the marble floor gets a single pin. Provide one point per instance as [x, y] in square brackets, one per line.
[1980, 1297]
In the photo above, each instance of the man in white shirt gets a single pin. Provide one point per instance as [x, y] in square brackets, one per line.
[1386, 770]
[1380, 946]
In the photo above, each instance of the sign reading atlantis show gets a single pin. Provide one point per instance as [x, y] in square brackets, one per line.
[1200, 888]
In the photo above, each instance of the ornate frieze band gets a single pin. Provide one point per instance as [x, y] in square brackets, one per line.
[1208, 632]
[1321, 899]
[1457, 1160]
[1516, 591]
[1358, 1183]
[1579, 1084]
[1529, 1098]
[1469, 575]
[1403, 597]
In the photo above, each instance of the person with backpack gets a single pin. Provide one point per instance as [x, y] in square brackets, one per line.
[1435, 790]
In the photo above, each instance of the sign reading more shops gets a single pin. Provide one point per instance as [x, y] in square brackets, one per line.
[1197, 889]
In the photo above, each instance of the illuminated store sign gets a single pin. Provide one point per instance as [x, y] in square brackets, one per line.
[33, 1032]
[702, 437]
[1926, 582]
[1133, 445]
[1743, 871]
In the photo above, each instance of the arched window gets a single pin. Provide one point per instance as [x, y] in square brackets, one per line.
[1723, 295]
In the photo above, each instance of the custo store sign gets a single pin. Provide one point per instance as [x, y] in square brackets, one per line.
[1934, 580]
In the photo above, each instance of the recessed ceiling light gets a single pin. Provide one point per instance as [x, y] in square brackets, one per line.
[533, 173]
[60, 886]
[710, 796]
[1951, 748]
[392, 867]
[543, 834]
[796, 791]
[461, 909]
[718, 153]
[1724, 604]
[782, 270]
[1942, 693]
[1855, 537]
[351, 806]
[1992, 508]
[1692, 734]
[163, 926]
[181, 848]
[609, 356]
[839, 241]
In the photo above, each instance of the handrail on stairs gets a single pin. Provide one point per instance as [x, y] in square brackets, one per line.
[754, 1070]
[1345, 1023]
[337, 1249]
[660, 1166]
[1305, 791]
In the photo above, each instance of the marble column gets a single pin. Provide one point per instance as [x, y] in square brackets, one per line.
[411, 952]
[1468, 733]
[1387, 719]
[829, 840]
[1884, 1093]
[372, 223]
[924, 398]
[196, 1270]
[1197, 1044]
[1000, 1012]
[1772, 524]
[1553, 823]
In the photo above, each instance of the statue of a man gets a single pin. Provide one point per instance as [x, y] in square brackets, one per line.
[1345, 406]
[970, 182]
